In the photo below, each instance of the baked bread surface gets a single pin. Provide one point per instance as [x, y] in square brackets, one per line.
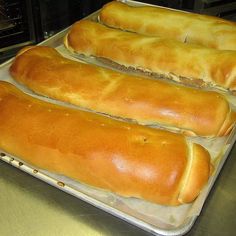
[186, 27]
[175, 60]
[128, 159]
[146, 101]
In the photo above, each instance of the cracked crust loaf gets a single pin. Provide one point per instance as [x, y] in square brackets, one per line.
[175, 60]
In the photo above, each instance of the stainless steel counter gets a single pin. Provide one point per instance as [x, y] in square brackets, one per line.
[29, 206]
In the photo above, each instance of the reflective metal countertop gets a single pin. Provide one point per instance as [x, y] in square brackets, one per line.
[29, 206]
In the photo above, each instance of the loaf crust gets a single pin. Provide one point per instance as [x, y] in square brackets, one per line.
[128, 159]
[146, 101]
[157, 55]
[186, 27]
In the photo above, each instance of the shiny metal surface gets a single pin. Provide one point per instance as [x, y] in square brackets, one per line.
[29, 206]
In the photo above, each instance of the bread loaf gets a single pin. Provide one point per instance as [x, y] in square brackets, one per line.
[146, 101]
[128, 159]
[177, 61]
[186, 27]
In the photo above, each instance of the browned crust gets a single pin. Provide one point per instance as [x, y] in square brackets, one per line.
[146, 101]
[186, 27]
[228, 124]
[127, 159]
[197, 174]
[175, 59]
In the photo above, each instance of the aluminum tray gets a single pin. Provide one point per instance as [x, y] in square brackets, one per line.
[96, 197]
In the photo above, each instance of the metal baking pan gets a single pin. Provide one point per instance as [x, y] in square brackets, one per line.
[112, 203]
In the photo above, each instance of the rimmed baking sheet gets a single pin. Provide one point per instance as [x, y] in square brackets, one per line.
[151, 217]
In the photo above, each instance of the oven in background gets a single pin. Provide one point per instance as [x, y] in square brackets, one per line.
[16, 28]
[27, 22]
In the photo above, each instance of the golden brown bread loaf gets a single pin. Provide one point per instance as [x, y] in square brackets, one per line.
[147, 101]
[186, 27]
[128, 159]
[177, 61]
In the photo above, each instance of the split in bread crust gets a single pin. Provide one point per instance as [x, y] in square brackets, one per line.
[186, 27]
[128, 159]
[171, 58]
[147, 101]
